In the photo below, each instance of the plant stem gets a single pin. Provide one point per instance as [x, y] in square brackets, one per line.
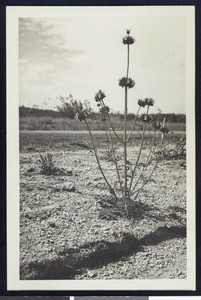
[128, 138]
[125, 128]
[107, 138]
[98, 162]
[108, 117]
[148, 159]
[139, 154]
[115, 161]
[163, 132]
[113, 153]
[146, 180]
[127, 61]
[125, 144]
[140, 151]
[162, 140]
[151, 146]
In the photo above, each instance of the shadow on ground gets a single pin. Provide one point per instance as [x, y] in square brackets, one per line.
[113, 209]
[92, 255]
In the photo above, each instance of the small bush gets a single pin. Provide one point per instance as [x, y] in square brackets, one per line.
[69, 106]
[174, 153]
[47, 164]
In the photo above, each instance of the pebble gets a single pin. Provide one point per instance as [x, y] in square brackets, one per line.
[69, 186]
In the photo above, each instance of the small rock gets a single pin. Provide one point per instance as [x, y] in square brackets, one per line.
[69, 186]
[57, 188]
[52, 222]
[69, 171]
[51, 241]
[30, 170]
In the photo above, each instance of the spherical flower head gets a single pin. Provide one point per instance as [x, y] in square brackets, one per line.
[156, 125]
[99, 96]
[141, 103]
[81, 115]
[164, 129]
[128, 40]
[149, 101]
[126, 82]
[104, 109]
[146, 119]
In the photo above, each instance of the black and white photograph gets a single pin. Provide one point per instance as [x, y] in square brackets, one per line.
[100, 147]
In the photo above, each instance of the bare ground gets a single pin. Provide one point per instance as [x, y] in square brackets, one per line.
[69, 229]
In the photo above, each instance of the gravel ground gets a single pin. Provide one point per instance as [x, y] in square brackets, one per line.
[66, 230]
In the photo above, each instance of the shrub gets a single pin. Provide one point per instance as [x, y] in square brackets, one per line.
[70, 106]
[176, 152]
[47, 164]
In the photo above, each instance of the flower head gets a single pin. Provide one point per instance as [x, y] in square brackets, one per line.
[81, 115]
[146, 118]
[164, 129]
[149, 101]
[104, 109]
[141, 103]
[146, 101]
[126, 82]
[156, 125]
[99, 96]
[128, 40]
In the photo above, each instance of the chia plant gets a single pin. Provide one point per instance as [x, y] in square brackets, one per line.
[132, 180]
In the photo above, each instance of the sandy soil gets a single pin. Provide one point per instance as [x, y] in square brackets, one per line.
[69, 229]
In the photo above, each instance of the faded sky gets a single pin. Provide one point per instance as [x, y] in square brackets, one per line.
[82, 54]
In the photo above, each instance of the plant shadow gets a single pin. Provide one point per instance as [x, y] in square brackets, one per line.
[97, 254]
[112, 209]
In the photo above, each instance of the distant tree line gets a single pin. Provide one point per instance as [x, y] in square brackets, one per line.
[37, 112]
[69, 106]
[170, 117]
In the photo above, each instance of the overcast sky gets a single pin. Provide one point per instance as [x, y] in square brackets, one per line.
[82, 54]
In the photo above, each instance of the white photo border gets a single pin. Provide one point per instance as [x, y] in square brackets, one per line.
[13, 262]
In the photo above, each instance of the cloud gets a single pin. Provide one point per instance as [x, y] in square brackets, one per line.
[38, 43]
[44, 58]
